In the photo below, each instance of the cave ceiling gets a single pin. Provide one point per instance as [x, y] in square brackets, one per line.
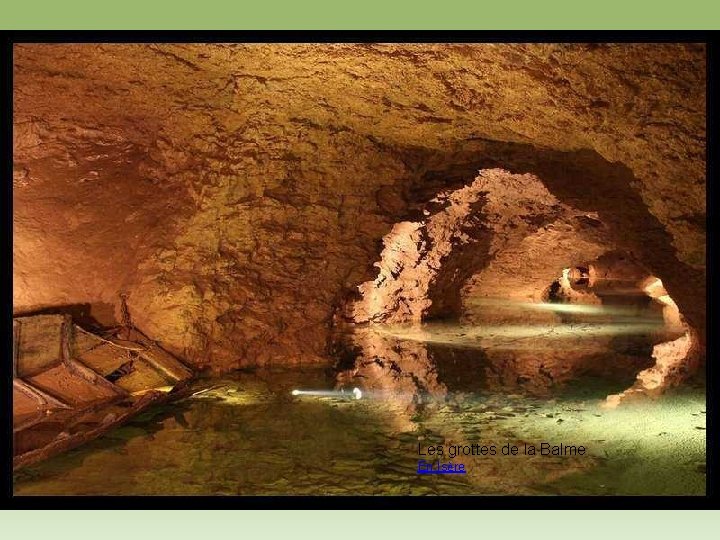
[227, 188]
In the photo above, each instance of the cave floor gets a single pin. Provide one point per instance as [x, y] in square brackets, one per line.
[246, 434]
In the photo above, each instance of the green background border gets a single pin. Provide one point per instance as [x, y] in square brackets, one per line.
[362, 14]
[360, 525]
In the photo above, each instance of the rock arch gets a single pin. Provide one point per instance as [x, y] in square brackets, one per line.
[500, 241]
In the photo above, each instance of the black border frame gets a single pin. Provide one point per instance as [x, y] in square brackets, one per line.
[8, 38]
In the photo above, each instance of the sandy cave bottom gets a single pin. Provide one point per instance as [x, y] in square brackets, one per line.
[248, 434]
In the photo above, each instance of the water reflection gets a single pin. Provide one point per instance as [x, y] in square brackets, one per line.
[441, 383]
[417, 363]
[248, 435]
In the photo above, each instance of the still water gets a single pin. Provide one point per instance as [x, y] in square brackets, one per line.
[246, 434]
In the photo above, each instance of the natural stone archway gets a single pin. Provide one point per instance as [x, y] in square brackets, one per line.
[497, 220]
[675, 359]
[496, 244]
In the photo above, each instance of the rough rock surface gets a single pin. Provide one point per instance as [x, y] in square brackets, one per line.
[501, 236]
[239, 193]
[496, 255]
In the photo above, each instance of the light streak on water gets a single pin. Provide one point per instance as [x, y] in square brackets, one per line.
[356, 393]
[520, 336]
[580, 309]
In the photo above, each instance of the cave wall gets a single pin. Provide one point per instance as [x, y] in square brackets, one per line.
[475, 273]
[239, 193]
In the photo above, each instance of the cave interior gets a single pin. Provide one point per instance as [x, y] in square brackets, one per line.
[239, 247]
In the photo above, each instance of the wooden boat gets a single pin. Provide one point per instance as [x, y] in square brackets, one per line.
[71, 385]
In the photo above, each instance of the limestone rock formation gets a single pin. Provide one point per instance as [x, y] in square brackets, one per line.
[239, 194]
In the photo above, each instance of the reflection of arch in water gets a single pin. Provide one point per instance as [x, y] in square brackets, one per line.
[501, 236]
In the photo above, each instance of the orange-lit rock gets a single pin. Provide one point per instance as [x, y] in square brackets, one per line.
[239, 194]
